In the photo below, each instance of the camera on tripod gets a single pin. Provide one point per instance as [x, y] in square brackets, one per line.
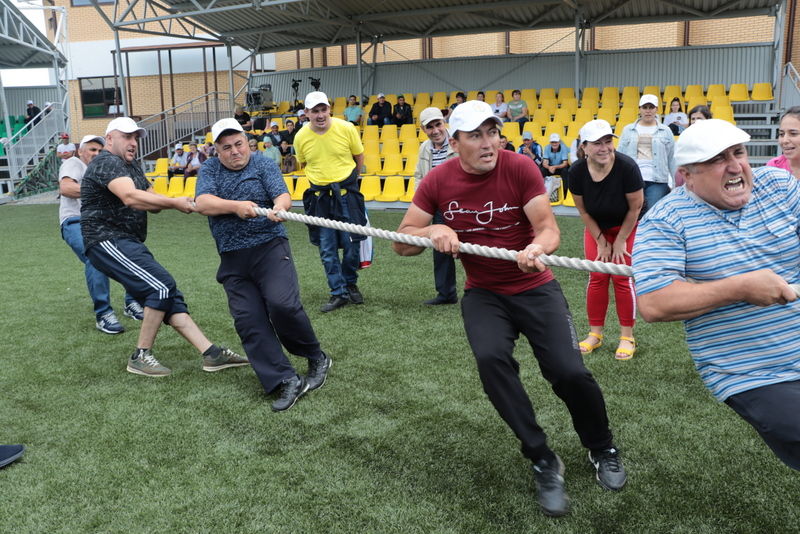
[315, 83]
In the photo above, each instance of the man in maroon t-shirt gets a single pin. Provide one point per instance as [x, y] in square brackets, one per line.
[494, 197]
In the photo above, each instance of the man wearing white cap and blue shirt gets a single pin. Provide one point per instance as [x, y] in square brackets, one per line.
[116, 197]
[256, 268]
[719, 253]
[332, 152]
[489, 196]
[70, 176]
[652, 145]
[178, 162]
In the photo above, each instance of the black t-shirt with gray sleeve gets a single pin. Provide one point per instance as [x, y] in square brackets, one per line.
[103, 214]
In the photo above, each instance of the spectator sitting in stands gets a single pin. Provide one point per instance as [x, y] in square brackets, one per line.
[699, 113]
[253, 144]
[517, 108]
[288, 164]
[500, 108]
[403, 114]
[302, 118]
[289, 133]
[178, 162]
[460, 99]
[273, 134]
[556, 157]
[531, 148]
[284, 148]
[209, 150]
[353, 111]
[271, 151]
[506, 144]
[193, 160]
[481, 96]
[381, 112]
[243, 118]
[676, 119]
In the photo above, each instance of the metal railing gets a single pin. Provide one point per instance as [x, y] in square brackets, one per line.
[790, 87]
[182, 123]
[27, 147]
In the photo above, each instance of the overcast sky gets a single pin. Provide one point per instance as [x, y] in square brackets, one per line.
[27, 77]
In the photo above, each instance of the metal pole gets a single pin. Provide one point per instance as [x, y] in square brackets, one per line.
[577, 55]
[360, 91]
[230, 75]
[780, 17]
[118, 58]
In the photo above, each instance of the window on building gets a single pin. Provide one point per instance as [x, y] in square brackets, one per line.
[78, 3]
[97, 95]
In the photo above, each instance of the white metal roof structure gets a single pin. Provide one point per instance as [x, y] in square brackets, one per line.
[22, 45]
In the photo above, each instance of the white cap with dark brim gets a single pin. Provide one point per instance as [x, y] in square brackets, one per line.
[470, 115]
[705, 139]
[315, 98]
[224, 125]
[125, 125]
[594, 130]
[92, 139]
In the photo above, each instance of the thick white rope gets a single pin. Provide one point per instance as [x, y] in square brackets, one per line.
[469, 248]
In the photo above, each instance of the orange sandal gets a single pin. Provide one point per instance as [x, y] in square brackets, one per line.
[623, 353]
[588, 348]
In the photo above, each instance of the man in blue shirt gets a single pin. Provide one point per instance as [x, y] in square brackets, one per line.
[720, 254]
[256, 267]
[531, 148]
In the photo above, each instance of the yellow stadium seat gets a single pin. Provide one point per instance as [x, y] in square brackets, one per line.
[389, 131]
[610, 95]
[209, 137]
[738, 92]
[160, 185]
[392, 164]
[510, 129]
[551, 128]
[300, 187]
[289, 181]
[508, 94]
[563, 116]
[723, 112]
[407, 133]
[372, 146]
[186, 147]
[409, 195]
[394, 187]
[409, 99]
[339, 103]
[535, 127]
[542, 116]
[583, 115]
[762, 92]
[592, 93]
[410, 165]
[549, 104]
[696, 101]
[390, 146]
[162, 165]
[620, 126]
[439, 97]
[652, 90]
[371, 131]
[715, 89]
[175, 187]
[189, 187]
[261, 146]
[283, 107]
[565, 93]
[422, 101]
[410, 148]
[569, 104]
[694, 91]
[568, 200]
[573, 130]
[529, 96]
[720, 100]
[590, 104]
[372, 164]
[422, 136]
[547, 93]
[628, 115]
[672, 91]
[370, 186]
[607, 114]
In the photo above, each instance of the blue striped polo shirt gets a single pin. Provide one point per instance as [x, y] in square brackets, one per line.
[740, 346]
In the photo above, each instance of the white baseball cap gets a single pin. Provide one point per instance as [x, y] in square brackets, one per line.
[594, 130]
[315, 98]
[179, 146]
[430, 114]
[470, 115]
[273, 123]
[125, 125]
[301, 113]
[92, 138]
[222, 125]
[47, 104]
[705, 139]
[555, 138]
[648, 99]
[29, 102]
[381, 95]
[527, 135]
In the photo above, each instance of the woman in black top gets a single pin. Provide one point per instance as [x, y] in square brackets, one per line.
[609, 193]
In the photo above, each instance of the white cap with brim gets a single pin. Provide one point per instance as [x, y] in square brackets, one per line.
[315, 98]
[594, 130]
[29, 103]
[705, 139]
[179, 146]
[273, 124]
[527, 135]
[224, 125]
[430, 114]
[555, 138]
[648, 99]
[92, 138]
[125, 125]
[470, 115]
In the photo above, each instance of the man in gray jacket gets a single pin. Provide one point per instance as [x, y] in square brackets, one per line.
[432, 152]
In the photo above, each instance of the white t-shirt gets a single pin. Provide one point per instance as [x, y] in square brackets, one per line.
[500, 110]
[679, 117]
[644, 151]
[70, 207]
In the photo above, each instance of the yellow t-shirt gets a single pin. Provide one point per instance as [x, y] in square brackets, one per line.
[329, 156]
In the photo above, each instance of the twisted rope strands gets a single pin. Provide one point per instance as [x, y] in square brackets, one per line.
[469, 248]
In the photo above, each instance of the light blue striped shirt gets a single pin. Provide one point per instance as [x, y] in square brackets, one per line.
[741, 346]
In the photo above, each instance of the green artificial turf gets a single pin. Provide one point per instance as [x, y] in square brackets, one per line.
[400, 440]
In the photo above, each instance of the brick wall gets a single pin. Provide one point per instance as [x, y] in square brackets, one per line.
[539, 41]
[730, 31]
[484, 44]
[659, 35]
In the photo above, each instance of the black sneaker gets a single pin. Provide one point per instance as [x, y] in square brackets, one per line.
[610, 471]
[549, 479]
[288, 392]
[335, 303]
[355, 295]
[440, 301]
[318, 372]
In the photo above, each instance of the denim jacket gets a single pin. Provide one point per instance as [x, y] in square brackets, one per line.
[663, 149]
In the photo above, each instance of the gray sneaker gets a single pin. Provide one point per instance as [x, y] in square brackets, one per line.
[109, 324]
[135, 311]
[226, 358]
[142, 362]
[549, 480]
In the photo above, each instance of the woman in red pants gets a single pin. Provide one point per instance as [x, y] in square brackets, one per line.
[609, 192]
